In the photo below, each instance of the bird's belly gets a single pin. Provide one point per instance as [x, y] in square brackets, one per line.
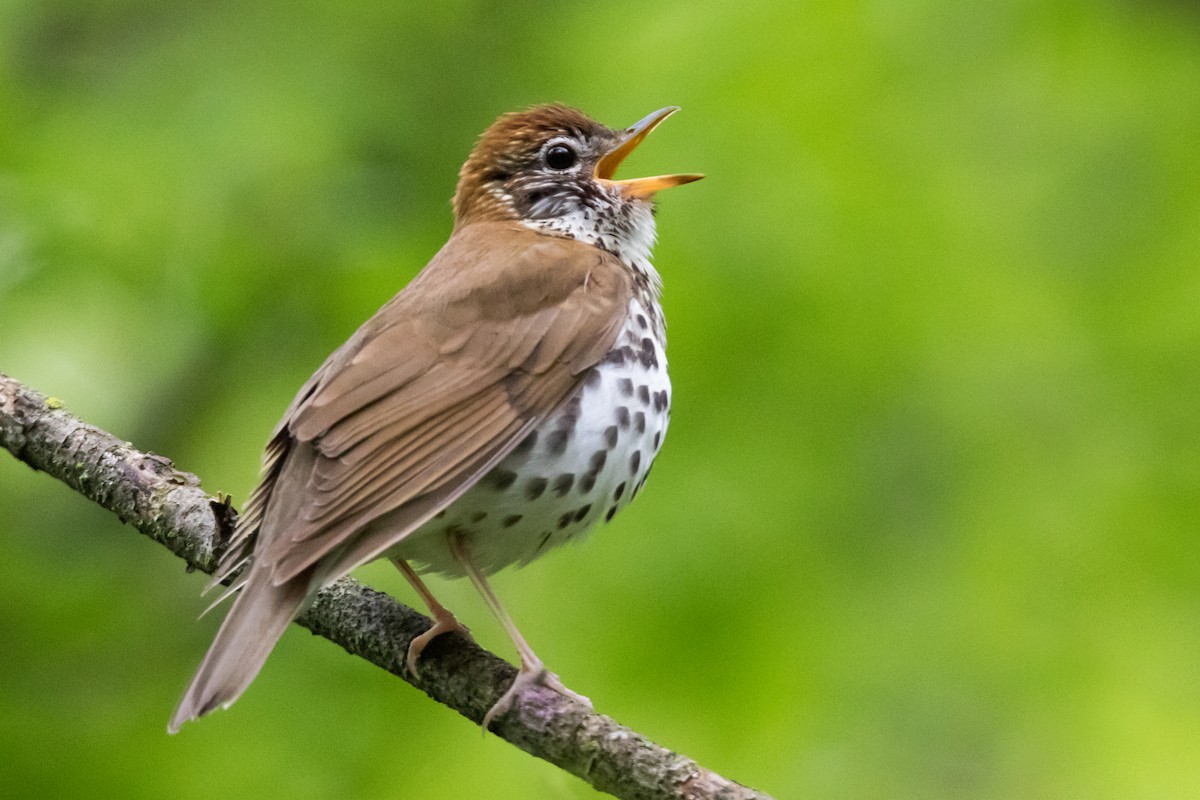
[582, 465]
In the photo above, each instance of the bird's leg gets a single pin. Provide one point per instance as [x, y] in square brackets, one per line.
[443, 620]
[532, 670]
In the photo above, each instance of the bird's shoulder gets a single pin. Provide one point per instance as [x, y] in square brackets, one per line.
[498, 298]
[502, 270]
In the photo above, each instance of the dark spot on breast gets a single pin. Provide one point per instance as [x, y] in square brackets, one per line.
[535, 487]
[593, 378]
[526, 444]
[639, 422]
[611, 512]
[563, 483]
[565, 520]
[646, 356]
[610, 436]
[641, 320]
[567, 419]
[583, 512]
[643, 394]
[556, 442]
[657, 439]
[501, 479]
[625, 387]
[545, 538]
[598, 459]
[615, 357]
[620, 490]
[587, 482]
[623, 417]
[660, 401]
[510, 520]
[635, 461]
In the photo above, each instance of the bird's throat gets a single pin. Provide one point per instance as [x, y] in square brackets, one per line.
[625, 229]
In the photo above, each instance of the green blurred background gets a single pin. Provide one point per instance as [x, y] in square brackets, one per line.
[925, 525]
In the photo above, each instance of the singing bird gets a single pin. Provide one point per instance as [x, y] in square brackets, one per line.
[513, 394]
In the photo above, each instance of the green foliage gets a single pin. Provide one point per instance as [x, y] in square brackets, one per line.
[925, 522]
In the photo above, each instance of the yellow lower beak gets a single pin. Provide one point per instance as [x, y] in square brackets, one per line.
[606, 167]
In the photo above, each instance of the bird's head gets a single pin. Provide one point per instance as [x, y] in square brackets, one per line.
[552, 168]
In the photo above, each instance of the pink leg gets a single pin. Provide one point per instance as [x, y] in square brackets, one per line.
[532, 670]
[443, 620]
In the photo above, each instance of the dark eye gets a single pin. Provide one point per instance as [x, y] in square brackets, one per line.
[560, 157]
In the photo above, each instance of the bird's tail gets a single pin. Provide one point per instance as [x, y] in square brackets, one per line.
[259, 616]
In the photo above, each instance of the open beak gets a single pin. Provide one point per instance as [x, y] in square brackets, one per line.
[606, 167]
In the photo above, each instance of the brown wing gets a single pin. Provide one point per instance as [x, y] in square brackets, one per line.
[429, 394]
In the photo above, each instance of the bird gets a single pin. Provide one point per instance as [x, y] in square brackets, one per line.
[513, 394]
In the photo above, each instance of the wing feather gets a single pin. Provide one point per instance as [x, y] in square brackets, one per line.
[429, 394]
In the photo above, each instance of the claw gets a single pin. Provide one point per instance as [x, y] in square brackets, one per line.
[443, 623]
[530, 676]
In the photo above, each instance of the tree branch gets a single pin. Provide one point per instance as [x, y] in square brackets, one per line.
[147, 492]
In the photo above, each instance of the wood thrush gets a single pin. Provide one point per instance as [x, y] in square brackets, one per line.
[513, 394]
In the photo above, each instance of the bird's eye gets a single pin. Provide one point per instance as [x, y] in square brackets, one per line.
[560, 157]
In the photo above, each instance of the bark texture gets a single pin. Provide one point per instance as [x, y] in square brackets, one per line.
[146, 491]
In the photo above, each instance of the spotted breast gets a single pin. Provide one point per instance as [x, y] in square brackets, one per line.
[582, 464]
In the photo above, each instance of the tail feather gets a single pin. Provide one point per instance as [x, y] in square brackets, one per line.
[259, 616]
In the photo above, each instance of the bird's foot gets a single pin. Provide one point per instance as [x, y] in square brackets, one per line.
[534, 675]
[443, 622]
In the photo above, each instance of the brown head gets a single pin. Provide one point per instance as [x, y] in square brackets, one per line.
[553, 166]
